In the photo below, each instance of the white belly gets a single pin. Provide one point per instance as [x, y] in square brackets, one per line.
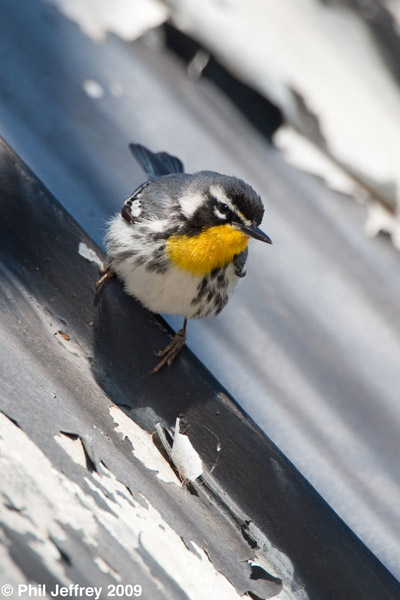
[173, 292]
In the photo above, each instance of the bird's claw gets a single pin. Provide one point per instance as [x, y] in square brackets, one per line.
[106, 273]
[171, 351]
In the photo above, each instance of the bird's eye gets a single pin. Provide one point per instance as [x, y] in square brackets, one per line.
[223, 208]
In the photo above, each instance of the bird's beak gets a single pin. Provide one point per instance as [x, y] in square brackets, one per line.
[256, 233]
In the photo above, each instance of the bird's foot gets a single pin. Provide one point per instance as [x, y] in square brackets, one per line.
[106, 273]
[171, 351]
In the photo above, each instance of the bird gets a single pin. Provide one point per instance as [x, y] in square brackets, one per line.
[180, 243]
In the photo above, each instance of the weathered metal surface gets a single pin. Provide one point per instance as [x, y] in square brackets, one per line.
[309, 345]
[84, 505]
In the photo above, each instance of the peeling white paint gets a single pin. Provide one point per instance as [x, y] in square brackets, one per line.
[73, 448]
[347, 86]
[37, 489]
[106, 568]
[89, 254]
[143, 447]
[305, 155]
[198, 579]
[127, 18]
[47, 499]
[185, 457]
[381, 219]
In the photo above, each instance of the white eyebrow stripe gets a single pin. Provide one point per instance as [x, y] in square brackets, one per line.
[219, 194]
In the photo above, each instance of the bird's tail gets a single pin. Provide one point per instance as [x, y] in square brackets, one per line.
[158, 164]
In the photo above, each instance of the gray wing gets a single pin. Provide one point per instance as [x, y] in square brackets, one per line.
[158, 164]
[157, 196]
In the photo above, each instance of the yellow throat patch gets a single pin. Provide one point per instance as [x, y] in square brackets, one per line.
[200, 254]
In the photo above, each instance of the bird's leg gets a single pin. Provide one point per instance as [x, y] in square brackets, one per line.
[172, 350]
[106, 273]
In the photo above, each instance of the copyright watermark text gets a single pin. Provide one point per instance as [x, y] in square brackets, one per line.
[23, 590]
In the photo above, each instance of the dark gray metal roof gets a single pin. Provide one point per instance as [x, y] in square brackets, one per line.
[310, 344]
[86, 497]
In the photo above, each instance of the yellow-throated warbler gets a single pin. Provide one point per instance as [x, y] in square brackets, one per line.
[179, 244]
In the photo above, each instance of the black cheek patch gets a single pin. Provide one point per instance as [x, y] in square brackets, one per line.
[201, 219]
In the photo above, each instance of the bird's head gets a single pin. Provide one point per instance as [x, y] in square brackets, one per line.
[213, 200]
[220, 214]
